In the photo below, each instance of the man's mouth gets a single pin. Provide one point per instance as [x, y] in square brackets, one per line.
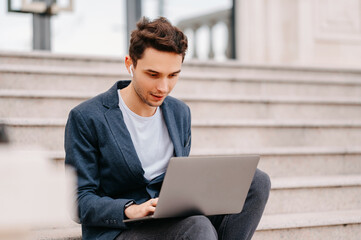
[157, 97]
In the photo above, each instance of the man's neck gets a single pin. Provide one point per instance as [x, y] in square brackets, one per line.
[135, 103]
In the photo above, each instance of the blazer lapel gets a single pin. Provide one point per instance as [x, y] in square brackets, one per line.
[172, 129]
[116, 124]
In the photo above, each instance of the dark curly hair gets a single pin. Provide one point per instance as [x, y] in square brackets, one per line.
[159, 34]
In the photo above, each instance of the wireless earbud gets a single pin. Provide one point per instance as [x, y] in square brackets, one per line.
[131, 70]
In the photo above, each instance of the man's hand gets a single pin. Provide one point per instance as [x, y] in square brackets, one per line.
[141, 210]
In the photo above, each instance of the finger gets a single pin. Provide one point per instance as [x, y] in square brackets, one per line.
[153, 202]
[151, 210]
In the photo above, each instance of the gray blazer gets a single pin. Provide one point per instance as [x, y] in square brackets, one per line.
[98, 145]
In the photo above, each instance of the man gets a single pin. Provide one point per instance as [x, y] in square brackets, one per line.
[120, 143]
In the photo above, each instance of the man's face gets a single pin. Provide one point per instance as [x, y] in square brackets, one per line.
[155, 75]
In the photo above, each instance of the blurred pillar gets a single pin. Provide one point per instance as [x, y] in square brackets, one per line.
[134, 13]
[195, 35]
[42, 10]
[41, 27]
[161, 4]
[232, 35]
[211, 44]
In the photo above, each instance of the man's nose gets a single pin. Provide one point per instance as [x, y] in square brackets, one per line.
[162, 85]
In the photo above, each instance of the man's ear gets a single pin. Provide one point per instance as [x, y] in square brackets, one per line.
[128, 62]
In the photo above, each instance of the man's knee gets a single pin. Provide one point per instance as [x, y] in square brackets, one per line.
[261, 186]
[200, 227]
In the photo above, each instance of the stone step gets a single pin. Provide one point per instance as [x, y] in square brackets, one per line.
[255, 107]
[311, 226]
[250, 134]
[282, 71]
[314, 194]
[99, 80]
[295, 161]
[57, 104]
[55, 78]
[38, 58]
[66, 232]
[265, 85]
[274, 133]
[41, 58]
[321, 164]
[285, 162]
[298, 226]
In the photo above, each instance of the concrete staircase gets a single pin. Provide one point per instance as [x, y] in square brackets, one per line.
[305, 122]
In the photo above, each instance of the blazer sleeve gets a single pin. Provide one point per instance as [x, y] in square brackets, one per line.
[82, 153]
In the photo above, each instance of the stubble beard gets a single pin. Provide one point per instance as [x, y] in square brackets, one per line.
[139, 92]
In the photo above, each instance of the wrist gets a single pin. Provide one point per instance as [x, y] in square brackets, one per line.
[126, 208]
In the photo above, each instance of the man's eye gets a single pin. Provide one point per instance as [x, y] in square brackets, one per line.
[153, 74]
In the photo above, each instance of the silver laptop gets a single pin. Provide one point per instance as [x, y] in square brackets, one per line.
[204, 186]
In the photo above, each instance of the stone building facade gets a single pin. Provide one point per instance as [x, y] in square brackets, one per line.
[305, 32]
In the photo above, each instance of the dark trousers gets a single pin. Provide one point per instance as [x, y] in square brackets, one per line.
[231, 226]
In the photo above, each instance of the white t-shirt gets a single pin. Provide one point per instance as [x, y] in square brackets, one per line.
[150, 138]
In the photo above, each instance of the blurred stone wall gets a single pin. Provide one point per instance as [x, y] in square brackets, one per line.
[307, 32]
